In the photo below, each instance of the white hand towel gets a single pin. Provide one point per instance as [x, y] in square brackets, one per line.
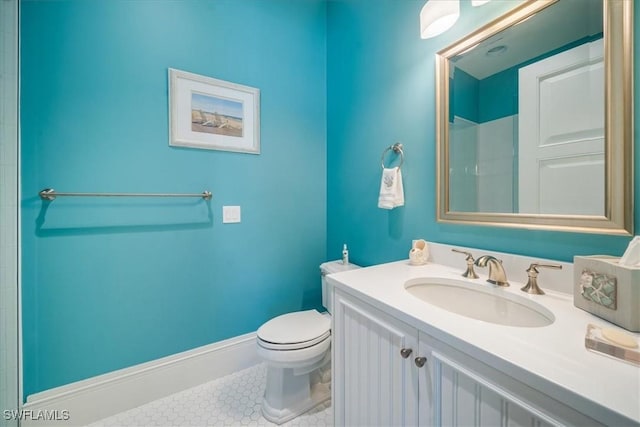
[391, 191]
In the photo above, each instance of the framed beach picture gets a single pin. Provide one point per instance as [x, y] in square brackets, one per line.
[213, 114]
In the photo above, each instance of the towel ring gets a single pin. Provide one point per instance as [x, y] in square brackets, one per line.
[397, 148]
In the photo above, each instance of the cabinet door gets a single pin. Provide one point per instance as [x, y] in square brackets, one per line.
[467, 392]
[373, 384]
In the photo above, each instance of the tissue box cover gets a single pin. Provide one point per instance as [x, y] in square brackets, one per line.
[607, 289]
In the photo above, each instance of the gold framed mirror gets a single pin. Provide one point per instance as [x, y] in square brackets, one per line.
[534, 119]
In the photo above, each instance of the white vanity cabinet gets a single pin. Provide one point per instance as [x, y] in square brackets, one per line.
[378, 380]
[463, 391]
[372, 384]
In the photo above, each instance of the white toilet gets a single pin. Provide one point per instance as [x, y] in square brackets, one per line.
[297, 349]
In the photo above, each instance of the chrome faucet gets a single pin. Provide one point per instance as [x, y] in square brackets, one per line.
[497, 275]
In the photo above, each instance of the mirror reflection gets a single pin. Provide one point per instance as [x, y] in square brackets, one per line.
[526, 116]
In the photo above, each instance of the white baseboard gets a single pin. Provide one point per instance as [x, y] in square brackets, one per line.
[89, 400]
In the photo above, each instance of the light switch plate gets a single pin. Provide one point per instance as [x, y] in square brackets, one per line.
[231, 214]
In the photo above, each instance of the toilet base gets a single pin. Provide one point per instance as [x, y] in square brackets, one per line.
[289, 395]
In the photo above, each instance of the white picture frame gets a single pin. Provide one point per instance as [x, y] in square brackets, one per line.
[213, 114]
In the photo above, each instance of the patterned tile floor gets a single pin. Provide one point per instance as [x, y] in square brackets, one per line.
[233, 400]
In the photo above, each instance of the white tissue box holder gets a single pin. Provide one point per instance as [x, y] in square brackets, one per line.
[607, 289]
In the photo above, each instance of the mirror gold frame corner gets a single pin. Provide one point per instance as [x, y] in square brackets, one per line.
[618, 57]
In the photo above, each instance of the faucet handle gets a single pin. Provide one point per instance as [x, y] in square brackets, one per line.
[532, 284]
[469, 273]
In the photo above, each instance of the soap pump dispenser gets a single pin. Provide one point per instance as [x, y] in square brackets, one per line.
[345, 254]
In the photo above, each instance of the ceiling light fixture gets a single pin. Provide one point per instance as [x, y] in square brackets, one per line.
[437, 16]
[479, 2]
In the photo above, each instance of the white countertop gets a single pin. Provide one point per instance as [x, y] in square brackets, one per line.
[552, 359]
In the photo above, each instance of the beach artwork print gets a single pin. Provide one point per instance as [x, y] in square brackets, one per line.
[212, 114]
[216, 115]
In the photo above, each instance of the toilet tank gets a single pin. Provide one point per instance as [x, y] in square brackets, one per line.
[330, 268]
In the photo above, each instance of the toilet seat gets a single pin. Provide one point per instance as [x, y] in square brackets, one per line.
[293, 346]
[299, 360]
[294, 331]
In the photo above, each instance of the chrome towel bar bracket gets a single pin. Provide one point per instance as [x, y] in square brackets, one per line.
[398, 149]
[51, 194]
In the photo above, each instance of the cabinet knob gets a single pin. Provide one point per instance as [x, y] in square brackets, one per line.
[420, 361]
[405, 352]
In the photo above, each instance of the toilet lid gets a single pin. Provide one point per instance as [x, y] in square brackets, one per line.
[296, 328]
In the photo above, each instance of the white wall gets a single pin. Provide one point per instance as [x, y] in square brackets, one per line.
[9, 379]
[496, 164]
[463, 161]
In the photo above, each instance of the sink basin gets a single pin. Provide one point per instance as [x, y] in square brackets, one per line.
[480, 302]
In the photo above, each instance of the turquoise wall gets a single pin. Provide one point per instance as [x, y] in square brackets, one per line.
[498, 95]
[111, 283]
[463, 96]
[381, 89]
